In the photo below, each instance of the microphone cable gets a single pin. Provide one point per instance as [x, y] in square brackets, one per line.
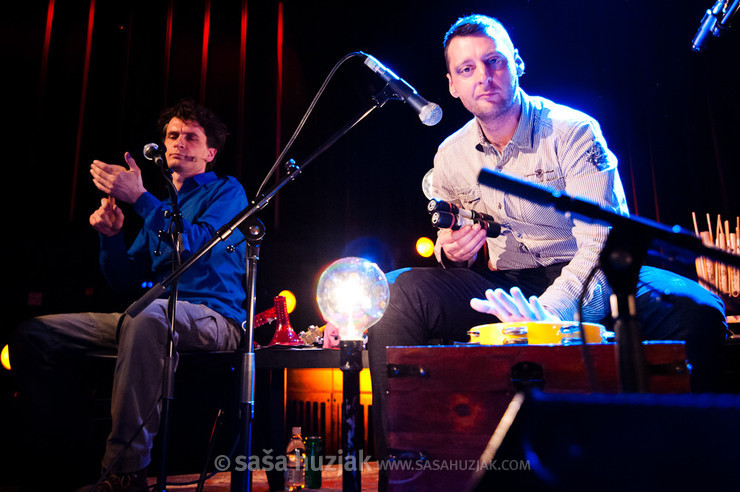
[305, 117]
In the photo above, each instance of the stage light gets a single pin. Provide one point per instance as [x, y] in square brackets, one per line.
[425, 247]
[290, 300]
[5, 358]
[352, 294]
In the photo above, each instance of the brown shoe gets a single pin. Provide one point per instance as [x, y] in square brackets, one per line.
[122, 482]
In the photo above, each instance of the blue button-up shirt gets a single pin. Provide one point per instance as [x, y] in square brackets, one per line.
[216, 280]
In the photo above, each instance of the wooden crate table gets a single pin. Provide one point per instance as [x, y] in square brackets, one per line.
[444, 402]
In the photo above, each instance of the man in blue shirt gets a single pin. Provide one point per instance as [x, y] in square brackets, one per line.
[208, 312]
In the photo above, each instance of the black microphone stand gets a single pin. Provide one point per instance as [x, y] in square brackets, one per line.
[715, 21]
[254, 231]
[621, 258]
[247, 362]
[168, 375]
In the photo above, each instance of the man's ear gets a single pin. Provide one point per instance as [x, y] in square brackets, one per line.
[451, 87]
[518, 63]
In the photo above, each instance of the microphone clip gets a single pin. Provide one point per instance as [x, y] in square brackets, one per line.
[386, 94]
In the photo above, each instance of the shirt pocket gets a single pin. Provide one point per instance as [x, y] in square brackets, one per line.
[469, 196]
[547, 175]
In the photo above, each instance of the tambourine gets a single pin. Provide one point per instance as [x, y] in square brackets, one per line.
[538, 333]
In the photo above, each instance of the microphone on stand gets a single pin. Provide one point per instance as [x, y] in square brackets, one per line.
[709, 25]
[152, 152]
[429, 113]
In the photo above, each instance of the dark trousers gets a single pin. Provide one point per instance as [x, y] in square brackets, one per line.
[434, 303]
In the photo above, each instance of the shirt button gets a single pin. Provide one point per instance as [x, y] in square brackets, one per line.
[500, 206]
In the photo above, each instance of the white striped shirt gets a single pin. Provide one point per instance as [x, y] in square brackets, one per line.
[553, 146]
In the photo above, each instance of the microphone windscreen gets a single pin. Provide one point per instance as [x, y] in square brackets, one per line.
[430, 114]
[151, 151]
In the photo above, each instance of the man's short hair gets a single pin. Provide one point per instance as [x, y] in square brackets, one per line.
[476, 24]
[188, 110]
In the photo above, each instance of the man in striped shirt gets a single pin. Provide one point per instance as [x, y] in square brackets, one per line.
[536, 269]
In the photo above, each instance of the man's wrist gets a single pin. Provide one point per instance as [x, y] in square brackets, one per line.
[135, 196]
[447, 262]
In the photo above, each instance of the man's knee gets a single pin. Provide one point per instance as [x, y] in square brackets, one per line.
[408, 279]
[29, 337]
[29, 330]
[672, 306]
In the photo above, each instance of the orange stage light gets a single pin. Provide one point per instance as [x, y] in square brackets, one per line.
[290, 300]
[425, 247]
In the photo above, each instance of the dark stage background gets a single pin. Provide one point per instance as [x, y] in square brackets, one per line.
[88, 79]
[669, 114]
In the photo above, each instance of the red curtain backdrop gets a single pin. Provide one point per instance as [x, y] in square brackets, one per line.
[88, 79]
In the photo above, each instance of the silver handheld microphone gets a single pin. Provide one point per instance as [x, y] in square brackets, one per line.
[429, 113]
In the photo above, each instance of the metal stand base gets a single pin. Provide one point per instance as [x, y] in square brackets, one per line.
[350, 362]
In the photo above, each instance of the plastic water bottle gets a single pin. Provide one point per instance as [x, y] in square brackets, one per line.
[295, 470]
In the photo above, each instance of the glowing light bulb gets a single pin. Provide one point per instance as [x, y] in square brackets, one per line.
[425, 247]
[352, 294]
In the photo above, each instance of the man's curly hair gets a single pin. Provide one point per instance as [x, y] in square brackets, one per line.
[188, 110]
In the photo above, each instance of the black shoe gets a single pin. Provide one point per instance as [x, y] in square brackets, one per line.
[122, 482]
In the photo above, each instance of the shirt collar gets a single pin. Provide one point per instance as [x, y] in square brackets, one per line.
[523, 135]
[198, 180]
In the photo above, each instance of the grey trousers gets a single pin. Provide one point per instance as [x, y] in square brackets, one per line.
[47, 355]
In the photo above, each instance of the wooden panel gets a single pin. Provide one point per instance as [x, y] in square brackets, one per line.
[447, 401]
[305, 387]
